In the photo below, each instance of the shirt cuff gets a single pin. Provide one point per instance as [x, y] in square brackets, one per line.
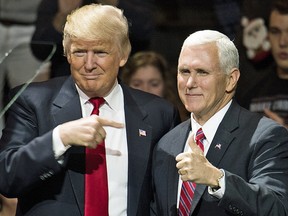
[220, 192]
[58, 147]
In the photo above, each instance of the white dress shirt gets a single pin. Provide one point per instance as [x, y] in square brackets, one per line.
[115, 145]
[209, 130]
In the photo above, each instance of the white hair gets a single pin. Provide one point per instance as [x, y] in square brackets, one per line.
[227, 51]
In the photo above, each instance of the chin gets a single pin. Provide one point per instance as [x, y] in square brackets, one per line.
[193, 108]
[189, 108]
[283, 64]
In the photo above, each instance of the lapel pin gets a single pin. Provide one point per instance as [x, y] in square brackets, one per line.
[142, 132]
[218, 146]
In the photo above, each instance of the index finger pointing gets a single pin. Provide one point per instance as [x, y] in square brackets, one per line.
[111, 123]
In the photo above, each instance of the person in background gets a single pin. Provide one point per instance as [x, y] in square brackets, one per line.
[51, 139]
[17, 24]
[228, 160]
[269, 95]
[52, 16]
[254, 47]
[7, 206]
[148, 71]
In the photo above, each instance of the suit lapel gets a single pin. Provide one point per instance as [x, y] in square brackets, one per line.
[66, 107]
[223, 137]
[139, 140]
[173, 176]
[221, 141]
[216, 151]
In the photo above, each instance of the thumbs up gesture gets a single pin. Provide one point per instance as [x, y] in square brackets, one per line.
[193, 166]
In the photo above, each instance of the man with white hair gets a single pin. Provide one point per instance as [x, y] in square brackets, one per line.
[224, 160]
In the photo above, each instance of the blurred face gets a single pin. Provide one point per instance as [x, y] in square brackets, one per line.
[278, 36]
[148, 79]
[203, 88]
[94, 66]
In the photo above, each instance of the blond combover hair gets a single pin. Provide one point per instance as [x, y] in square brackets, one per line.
[98, 22]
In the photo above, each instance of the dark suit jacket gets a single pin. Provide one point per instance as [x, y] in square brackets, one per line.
[29, 170]
[254, 154]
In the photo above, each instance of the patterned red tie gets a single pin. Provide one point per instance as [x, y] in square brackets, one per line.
[188, 188]
[96, 185]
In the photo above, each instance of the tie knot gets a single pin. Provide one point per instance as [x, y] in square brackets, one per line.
[97, 101]
[200, 135]
[199, 138]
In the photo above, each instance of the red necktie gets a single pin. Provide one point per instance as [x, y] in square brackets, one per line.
[96, 185]
[188, 188]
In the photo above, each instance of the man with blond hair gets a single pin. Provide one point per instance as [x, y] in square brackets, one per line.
[82, 145]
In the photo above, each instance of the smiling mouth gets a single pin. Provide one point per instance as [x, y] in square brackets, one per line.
[92, 76]
[192, 95]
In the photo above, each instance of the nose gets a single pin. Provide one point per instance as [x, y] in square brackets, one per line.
[191, 82]
[90, 60]
[145, 87]
[283, 40]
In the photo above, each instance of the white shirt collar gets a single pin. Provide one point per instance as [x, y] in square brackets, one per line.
[113, 99]
[211, 126]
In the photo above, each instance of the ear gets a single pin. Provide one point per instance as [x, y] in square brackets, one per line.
[68, 58]
[233, 78]
[123, 61]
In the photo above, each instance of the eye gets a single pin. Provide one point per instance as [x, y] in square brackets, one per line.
[274, 31]
[184, 72]
[136, 84]
[201, 72]
[155, 83]
[101, 53]
[79, 53]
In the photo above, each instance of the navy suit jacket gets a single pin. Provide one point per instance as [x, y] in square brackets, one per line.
[29, 170]
[252, 150]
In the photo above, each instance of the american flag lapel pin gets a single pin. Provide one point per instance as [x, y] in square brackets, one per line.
[142, 133]
[218, 146]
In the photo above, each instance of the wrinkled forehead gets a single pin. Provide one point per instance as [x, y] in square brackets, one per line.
[201, 55]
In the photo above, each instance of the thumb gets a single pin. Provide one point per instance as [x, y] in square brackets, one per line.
[193, 145]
